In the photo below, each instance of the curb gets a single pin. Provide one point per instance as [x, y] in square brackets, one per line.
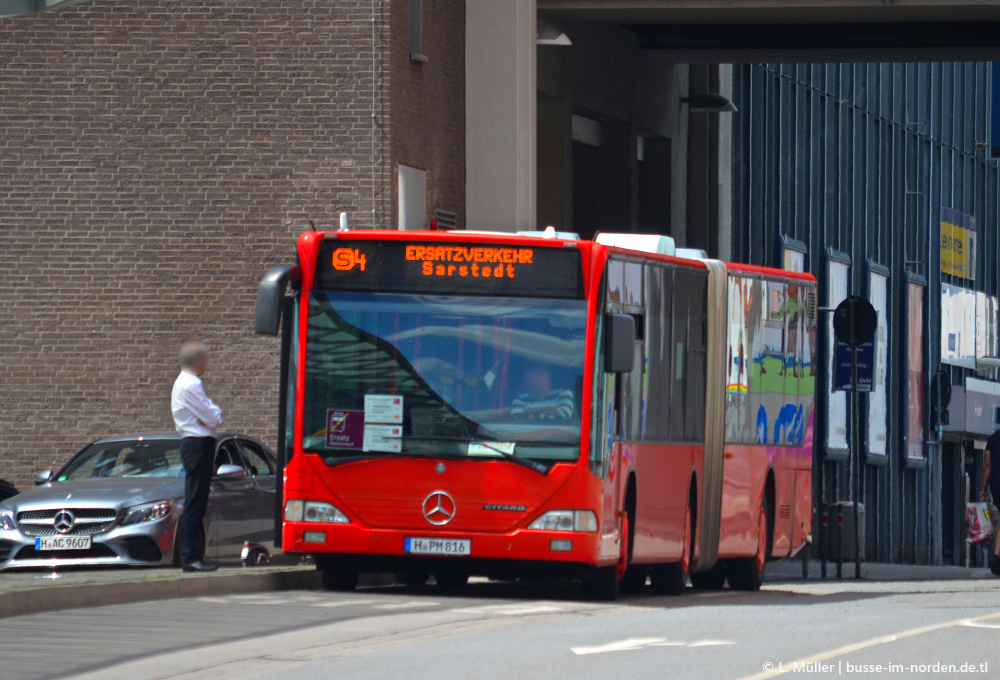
[55, 598]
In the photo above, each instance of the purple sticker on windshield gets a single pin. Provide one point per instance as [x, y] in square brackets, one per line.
[345, 429]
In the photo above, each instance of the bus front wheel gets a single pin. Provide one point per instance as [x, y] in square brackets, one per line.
[334, 576]
[602, 586]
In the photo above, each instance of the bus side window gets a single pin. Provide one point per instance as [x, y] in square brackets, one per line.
[657, 355]
[687, 398]
[678, 355]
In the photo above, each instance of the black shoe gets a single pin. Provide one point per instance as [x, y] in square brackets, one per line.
[995, 565]
[200, 566]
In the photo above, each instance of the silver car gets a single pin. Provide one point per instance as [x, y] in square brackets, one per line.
[118, 502]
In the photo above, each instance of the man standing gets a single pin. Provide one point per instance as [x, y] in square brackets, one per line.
[991, 483]
[196, 419]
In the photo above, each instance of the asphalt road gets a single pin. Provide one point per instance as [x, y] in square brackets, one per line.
[493, 630]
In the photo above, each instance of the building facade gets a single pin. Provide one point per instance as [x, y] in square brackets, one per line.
[880, 180]
[157, 157]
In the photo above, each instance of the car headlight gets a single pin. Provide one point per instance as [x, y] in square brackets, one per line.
[147, 512]
[566, 520]
[314, 511]
[7, 519]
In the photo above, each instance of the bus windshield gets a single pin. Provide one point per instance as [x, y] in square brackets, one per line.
[448, 376]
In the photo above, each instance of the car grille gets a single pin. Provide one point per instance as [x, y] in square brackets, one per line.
[6, 548]
[86, 521]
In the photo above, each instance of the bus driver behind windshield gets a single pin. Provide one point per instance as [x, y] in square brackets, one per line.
[540, 401]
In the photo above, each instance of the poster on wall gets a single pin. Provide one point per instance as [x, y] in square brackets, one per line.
[793, 255]
[838, 272]
[986, 327]
[915, 391]
[958, 326]
[878, 415]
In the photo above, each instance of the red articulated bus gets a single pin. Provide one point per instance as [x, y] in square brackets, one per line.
[520, 406]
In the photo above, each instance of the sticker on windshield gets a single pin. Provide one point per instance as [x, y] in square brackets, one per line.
[344, 429]
[384, 408]
[494, 449]
[384, 438]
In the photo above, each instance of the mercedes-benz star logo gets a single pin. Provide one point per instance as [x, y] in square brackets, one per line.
[439, 508]
[63, 521]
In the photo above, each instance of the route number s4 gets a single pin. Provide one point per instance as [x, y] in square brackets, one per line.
[346, 259]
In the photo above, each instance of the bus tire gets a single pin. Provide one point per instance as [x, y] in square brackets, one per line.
[602, 586]
[334, 576]
[713, 579]
[634, 580]
[671, 579]
[747, 573]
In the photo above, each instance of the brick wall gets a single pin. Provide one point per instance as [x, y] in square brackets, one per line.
[155, 158]
[428, 125]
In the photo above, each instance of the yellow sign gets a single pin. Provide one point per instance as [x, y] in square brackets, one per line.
[958, 244]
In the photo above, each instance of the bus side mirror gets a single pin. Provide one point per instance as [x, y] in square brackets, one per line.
[270, 292]
[619, 343]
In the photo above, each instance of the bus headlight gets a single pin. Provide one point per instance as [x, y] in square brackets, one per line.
[566, 520]
[314, 511]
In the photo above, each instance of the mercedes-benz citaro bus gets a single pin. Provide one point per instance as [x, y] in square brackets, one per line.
[539, 406]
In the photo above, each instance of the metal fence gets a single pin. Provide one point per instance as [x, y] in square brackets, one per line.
[860, 158]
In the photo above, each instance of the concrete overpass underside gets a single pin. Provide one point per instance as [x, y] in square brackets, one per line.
[744, 31]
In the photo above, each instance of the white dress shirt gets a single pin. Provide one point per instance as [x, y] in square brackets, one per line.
[194, 413]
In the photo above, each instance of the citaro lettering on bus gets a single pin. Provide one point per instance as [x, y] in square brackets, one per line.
[346, 259]
[501, 262]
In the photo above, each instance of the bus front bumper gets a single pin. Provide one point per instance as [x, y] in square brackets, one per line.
[390, 545]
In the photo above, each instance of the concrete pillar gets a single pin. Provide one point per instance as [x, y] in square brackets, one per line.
[500, 126]
[725, 161]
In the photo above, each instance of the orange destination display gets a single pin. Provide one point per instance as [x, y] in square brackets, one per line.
[459, 268]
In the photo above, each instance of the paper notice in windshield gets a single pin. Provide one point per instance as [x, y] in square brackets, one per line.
[384, 408]
[384, 438]
[495, 449]
[344, 429]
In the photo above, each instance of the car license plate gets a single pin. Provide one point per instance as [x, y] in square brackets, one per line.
[63, 543]
[439, 546]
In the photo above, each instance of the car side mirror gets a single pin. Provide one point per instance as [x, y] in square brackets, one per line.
[230, 472]
[43, 477]
[619, 343]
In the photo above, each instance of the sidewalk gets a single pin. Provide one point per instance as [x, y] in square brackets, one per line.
[33, 592]
[790, 570]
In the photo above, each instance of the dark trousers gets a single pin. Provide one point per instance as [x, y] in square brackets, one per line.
[198, 457]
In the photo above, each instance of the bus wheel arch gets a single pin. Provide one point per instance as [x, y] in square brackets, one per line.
[671, 578]
[747, 573]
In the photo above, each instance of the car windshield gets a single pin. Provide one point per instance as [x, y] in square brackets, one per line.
[443, 376]
[133, 458]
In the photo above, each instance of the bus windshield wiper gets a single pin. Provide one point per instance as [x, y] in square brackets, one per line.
[512, 457]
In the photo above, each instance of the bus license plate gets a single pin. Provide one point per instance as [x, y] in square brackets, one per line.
[63, 543]
[439, 546]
